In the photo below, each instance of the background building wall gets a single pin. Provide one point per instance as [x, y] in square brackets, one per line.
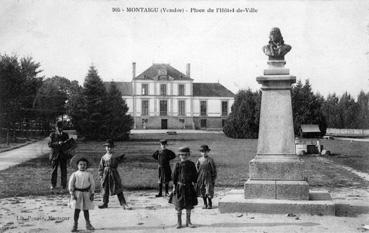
[155, 122]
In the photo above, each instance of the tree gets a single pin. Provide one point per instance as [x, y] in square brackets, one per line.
[52, 96]
[19, 82]
[363, 114]
[349, 110]
[94, 93]
[118, 122]
[96, 113]
[243, 121]
[307, 107]
[331, 111]
[76, 107]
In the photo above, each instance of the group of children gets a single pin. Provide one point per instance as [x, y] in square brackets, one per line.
[189, 181]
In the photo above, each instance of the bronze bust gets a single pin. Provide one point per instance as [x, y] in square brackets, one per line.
[276, 48]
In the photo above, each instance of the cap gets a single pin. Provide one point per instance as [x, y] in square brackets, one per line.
[109, 143]
[184, 150]
[204, 148]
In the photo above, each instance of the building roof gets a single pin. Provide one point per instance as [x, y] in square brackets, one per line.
[162, 71]
[124, 87]
[211, 90]
[310, 129]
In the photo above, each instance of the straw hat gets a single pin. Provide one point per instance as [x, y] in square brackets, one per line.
[78, 157]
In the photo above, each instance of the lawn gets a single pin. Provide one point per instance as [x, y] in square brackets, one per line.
[354, 154]
[139, 170]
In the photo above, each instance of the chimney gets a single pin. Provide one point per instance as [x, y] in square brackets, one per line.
[133, 70]
[188, 70]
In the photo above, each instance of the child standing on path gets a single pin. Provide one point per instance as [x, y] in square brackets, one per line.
[207, 173]
[184, 178]
[109, 176]
[81, 188]
[163, 156]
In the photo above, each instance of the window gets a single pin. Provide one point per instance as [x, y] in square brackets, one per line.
[224, 108]
[163, 89]
[203, 123]
[163, 107]
[145, 107]
[181, 107]
[202, 108]
[181, 90]
[145, 89]
[223, 122]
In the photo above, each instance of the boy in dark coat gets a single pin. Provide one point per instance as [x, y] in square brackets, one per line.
[184, 178]
[58, 157]
[109, 176]
[163, 156]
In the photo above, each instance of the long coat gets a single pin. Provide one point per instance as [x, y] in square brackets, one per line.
[207, 173]
[184, 176]
[109, 174]
[56, 149]
[163, 157]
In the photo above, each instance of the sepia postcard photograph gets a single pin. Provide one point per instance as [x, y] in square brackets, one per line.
[184, 116]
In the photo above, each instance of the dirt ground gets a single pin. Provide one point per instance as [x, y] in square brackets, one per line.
[150, 214]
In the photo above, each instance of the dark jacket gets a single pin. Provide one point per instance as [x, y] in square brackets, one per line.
[56, 149]
[163, 157]
[184, 177]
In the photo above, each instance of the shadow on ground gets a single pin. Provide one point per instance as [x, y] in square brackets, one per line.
[220, 225]
[347, 210]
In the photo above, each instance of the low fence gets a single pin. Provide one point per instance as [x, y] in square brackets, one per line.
[14, 135]
[348, 132]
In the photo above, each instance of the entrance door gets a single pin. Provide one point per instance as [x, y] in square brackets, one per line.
[203, 123]
[164, 123]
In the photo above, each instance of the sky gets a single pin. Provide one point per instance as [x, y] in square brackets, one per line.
[329, 39]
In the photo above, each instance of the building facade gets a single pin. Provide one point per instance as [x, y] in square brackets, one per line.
[164, 98]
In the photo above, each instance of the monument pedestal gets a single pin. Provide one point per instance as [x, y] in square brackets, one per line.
[276, 181]
[319, 203]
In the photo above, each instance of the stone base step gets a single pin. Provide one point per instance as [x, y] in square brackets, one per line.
[234, 202]
[273, 189]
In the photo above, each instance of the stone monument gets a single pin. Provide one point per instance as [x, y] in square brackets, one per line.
[276, 181]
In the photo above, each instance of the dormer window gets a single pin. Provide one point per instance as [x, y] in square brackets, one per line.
[162, 72]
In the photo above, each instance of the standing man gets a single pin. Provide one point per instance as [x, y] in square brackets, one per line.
[57, 156]
[163, 156]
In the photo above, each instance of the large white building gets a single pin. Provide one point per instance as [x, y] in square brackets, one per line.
[164, 98]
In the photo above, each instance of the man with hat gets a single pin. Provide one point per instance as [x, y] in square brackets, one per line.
[58, 157]
[163, 156]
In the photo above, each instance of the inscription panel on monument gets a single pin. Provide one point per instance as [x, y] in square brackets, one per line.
[276, 135]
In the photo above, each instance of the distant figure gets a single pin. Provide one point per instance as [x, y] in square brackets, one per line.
[276, 48]
[82, 191]
[318, 146]
[184, 179]
[109, 176]
[58, 157]
[206, 175]
[163, 156]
